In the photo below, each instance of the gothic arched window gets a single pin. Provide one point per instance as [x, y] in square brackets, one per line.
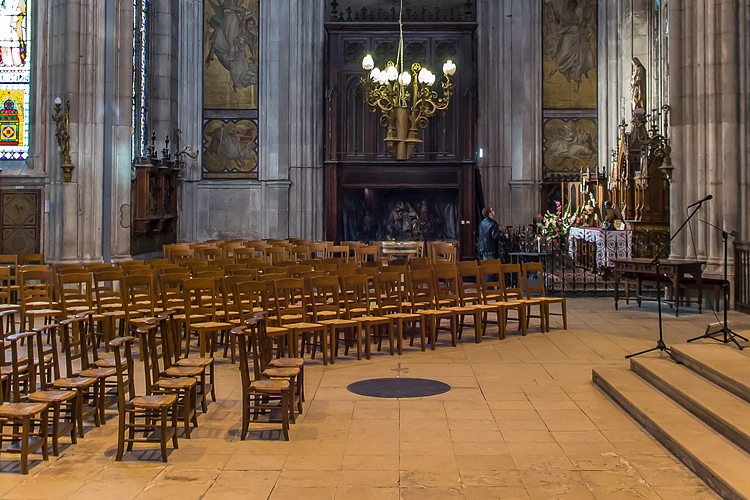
[15, 73]
[140, 75]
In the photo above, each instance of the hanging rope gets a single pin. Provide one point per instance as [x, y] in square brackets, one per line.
[400, 55]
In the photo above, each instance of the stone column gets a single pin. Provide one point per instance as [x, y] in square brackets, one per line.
[510, 107]
[76, 72]
[708, 61]
[306, 119]
[190, 111]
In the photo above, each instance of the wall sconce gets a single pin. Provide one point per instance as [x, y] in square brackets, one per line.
[63, 137]
[666, 165]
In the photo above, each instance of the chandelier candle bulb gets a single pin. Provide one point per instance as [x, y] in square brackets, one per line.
[368, 63]
[404, 79]
[392, 73]
[449, 68]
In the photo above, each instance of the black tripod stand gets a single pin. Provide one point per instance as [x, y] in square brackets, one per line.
[729, 335]
[660, 345]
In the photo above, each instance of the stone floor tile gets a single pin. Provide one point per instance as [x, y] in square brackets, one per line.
[308, 493]
[367, 493]
[495, 493]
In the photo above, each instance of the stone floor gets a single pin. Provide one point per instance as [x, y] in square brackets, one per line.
[522, 421]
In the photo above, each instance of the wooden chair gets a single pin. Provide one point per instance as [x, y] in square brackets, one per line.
[356, 288]
[512, 287]
[424, 302]
[28, 422]
[258, 395]
[447, 290]
[37, 298]
[209, 253]
[81, 357]
[108, 301]
[162, 378]
[317, 250]
[291, 304]
[419, 263]
[493, 286]
[199, 300]
[536, 268]
[442, 252]
[390, 297]
[470, 294]
[300, 252]
[178, 254]
[75, 292]
[87, 401]
[63, 405]
[242, 253]
[326, 311]
[149, 409]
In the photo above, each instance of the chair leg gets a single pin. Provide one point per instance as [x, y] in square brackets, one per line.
[163, 433]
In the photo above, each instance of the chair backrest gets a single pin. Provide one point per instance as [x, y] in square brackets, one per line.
[107, 288]
[335, 261]
[276, 254]
[286, 263]
[469, 284]
[37, 289]
[30, 258]
[209, 253]
[5, 283]
[98, 265]
[295, 271]
[318, 250]
[206, 272]
[154, 263]
[367, 254]
[48, 357]
[356, 288]
[443, 252]
[324, 296]
[419, 263]
[21, 381]
[123, 351]
[291, 300]
[199, 297]
[250, 297]
[222, 263]
[325, 267]
[421, 293]
[446, 284]
[513, 283]
[390, 291]
[138, 294]
[75, 291]
[491, 279]
[300, 252]
[243, 253]
[143, 270]
[178, 254]
[341, 250]
[537, 269]
[251, 273]
[230, 268]
[170, 289]
[78, 344]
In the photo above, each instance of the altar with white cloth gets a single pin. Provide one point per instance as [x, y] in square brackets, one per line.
[595, 248]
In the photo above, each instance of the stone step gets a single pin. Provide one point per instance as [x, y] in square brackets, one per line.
[723, 365]
[716, 407]
[714, 459]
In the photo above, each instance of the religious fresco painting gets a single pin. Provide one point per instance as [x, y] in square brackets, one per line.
[569, 88]
[230, 149]
[15, 74]
[569, 147]
[230, 89]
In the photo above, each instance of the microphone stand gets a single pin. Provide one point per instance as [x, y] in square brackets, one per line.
[660, 345]
[729, 335]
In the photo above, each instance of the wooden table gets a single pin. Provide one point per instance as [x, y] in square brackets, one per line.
[674, 270]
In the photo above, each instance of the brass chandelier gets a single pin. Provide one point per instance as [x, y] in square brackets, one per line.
[388, 90]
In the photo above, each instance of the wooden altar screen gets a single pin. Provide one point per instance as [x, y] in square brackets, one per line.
[356, 155]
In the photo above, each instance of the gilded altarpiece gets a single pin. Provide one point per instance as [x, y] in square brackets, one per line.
[230, 89]
[569, 92]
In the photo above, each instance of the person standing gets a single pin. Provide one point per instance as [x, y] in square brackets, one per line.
[489, 235]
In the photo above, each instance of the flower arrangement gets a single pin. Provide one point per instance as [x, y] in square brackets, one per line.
[555, 227]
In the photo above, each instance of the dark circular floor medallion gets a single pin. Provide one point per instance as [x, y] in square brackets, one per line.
[398, 387]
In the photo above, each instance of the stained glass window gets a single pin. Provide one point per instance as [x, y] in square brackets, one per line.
[15, 72]
[140, 47]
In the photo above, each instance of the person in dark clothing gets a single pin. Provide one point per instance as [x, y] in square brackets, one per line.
[489, 239]
[489, 235]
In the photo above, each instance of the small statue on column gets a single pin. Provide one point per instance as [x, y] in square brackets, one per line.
[638, 86]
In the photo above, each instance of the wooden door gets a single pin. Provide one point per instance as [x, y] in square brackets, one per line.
[20, 221]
